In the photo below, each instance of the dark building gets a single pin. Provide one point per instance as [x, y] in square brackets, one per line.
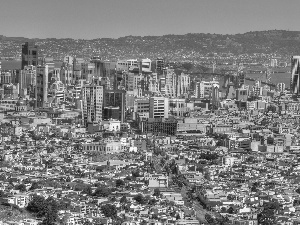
[159, 126]
[29, 55]
[160, 65]
[111, 113]
[115, 98]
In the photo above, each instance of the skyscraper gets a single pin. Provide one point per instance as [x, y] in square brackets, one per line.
[159, 107]
[295, 83]
[29, 55]
[92, 103]
[115, 98]
[41, 85]
[160, 65]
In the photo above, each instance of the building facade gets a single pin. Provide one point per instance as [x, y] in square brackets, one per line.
[92, 103]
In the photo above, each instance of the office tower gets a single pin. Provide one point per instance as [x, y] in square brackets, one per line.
[92, 103]
[160, 65]
[204, 89]
[215, 96]
[280, 87]
[141, 107]
[240, 79]
[242, 94]
[27, 80]
[199, 90]
[29, 55]
[159, 107]
[66, 74]
[132, 64]
[122, 65]
[183, 84]
[153, 83]
[145, 65]
[87, 71]
[57, 91]
[29, 72]
[273, 62]
[98, 66]
[69, 60]
[177, 106]
[41, 90]
[133, 81]
[295, 83]
[114, 99]
[162, 86]
[5, 77]
[170, 83]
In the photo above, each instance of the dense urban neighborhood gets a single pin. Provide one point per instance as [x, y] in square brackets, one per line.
[93, 140]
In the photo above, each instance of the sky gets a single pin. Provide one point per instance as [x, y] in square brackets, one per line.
[89, 19]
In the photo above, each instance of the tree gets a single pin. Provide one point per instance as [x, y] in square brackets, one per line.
[2, 194]
[109, 210]
[156, 192]
[119, 183]
[123, 199]
[21, 187]
[152, 201]
[34, 186]
[209, 218]
[51, 210]
[135, 174]
[155, 216]
[37, 205]
[139, 198]
[102, 192]
[230, 210]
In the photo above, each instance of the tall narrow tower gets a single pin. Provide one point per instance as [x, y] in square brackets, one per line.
[29, 55]
[295, 83]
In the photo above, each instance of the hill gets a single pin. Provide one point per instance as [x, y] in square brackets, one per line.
[192, 46]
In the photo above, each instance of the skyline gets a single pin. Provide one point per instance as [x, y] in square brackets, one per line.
[113, 19]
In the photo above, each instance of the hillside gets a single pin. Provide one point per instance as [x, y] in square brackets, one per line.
[13, 213]
[173, 47]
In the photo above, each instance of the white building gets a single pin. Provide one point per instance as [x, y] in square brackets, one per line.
[280, 87]
[159, 107]
[92, 102]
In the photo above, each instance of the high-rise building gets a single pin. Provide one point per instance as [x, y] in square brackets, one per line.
[98, 66]
[203, 89]
[29, 55]
[146, 65]
[87, 71]
[141, 106]
[5, 77]
[41, 87]
[160, 65]
[215, 96]
[183, 84]
[67, 77]
[92, 103]
[295, 83]
[280, 87]
[159, 107]
[273, 62]
[115, 98]
[170, 83]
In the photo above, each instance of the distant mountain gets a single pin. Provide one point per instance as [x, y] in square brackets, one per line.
[192, 46]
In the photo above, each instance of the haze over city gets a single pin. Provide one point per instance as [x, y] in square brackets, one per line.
[112, 19]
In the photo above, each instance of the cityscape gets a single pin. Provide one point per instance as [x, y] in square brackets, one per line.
[183, 129]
